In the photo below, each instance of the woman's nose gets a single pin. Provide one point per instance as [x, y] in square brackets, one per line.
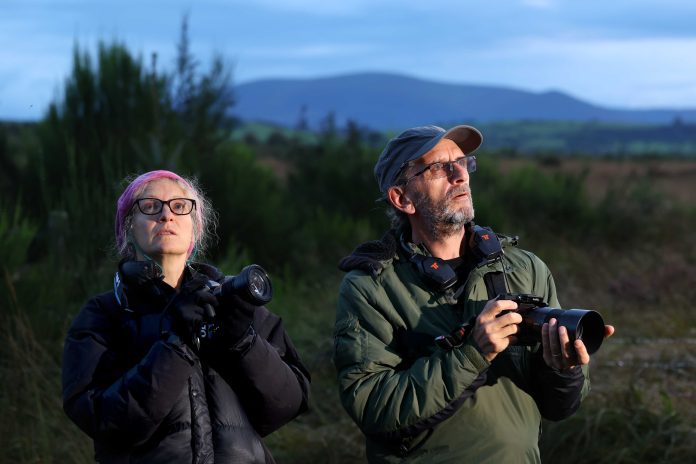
[166, 213]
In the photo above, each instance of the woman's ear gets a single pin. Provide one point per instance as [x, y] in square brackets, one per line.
[398, 197]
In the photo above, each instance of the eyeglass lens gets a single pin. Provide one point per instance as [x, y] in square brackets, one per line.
[444, 169]
[180, 206]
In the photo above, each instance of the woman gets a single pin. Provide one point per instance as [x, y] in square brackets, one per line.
[140, 378]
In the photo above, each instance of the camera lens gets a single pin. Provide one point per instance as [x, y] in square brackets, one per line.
[253, 282]
[588, 326]
[258, 283]
[582, 324]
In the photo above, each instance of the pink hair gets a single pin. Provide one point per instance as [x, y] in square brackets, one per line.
[124, 205]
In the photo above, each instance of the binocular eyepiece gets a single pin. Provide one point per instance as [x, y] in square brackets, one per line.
[582, 324]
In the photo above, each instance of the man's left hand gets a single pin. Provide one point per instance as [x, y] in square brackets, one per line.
[558, 350]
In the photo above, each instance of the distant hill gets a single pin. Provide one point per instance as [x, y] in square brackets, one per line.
[392, 102]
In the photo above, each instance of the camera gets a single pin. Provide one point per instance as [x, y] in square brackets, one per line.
[582, 324]
[252, 284]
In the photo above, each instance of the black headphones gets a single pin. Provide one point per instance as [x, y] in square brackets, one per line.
[435, 271]
[440, 275]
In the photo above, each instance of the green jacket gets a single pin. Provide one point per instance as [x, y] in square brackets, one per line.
[416, 402]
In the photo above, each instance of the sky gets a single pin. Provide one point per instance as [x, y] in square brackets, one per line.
[614, 53]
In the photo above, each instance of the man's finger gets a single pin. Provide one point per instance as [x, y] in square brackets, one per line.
[608, 331]
[495, 307]
[582, 356]
[565, 347]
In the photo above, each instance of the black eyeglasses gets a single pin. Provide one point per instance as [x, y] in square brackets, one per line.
[443, 168]
[178, 206]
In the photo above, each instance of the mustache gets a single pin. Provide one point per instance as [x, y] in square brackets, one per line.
[458, 191]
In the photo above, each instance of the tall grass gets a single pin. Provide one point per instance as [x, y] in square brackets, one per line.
[626, 431]
[34, 428]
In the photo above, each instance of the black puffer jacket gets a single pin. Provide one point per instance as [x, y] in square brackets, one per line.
[146, 397]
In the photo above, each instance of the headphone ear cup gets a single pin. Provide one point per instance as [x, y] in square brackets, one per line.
[435, 271]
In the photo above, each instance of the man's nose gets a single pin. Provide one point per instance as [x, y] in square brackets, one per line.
[457, 173]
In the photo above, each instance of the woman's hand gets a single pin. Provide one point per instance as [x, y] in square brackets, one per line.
[236, 315]
[188, 311]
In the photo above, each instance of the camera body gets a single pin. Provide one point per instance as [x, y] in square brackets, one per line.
[581, 324]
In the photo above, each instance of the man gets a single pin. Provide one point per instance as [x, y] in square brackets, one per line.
[428, 359]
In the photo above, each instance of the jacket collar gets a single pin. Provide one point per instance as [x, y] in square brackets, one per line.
[374, 256]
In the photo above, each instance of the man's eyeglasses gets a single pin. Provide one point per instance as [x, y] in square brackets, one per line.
[178, 206]
[444, 169]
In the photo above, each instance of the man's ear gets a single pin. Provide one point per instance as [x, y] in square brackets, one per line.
[400, 200]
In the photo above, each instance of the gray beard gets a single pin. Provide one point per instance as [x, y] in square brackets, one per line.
[441, 220]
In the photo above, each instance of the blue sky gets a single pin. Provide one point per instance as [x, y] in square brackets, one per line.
[618, 53]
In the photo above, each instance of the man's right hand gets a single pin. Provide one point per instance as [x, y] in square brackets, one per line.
[494, 332]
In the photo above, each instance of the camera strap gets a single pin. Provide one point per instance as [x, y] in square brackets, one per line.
[487, 248]
[495, 284]
[120, 294]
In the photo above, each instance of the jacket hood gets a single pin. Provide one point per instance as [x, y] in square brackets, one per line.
[372, 257]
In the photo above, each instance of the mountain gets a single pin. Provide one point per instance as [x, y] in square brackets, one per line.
[390, 101]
